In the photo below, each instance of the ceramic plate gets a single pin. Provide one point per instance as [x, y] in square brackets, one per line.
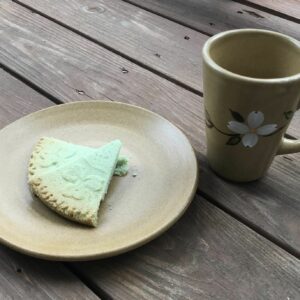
[138, 207]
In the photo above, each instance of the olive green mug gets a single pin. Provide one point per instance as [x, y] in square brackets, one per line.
[251, 92]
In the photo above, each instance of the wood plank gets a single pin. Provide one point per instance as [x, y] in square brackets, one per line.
[212, 16]
[127, 28]
[295, 125]
[290, 8]
[206, 255]
[63, 63]
[17, 99]
[72, 68]
[22, 277]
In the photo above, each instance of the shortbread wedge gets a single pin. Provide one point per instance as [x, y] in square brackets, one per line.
[74, 183]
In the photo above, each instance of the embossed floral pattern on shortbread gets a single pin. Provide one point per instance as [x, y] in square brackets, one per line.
[52, 159]
[80, 184]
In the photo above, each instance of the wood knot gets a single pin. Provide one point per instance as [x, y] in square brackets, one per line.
[94, 9]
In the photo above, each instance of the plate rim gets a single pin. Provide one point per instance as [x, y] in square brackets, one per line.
[142, 241]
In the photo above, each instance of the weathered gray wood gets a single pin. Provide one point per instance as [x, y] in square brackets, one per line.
[212, 16]
[197, 236]
[70, 67]
[294, 128]
[206, 255]
[145, 37]
[127, 28]
[290, 8]
[22, 277]
[17, 99]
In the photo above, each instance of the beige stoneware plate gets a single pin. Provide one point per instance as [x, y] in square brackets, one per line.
[160, 184]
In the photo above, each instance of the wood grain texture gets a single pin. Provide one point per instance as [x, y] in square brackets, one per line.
[206, 255]
[154, 41]
[22, 277]
[290, 8]
[212, 16]
[294, 128]
[72, 68]
[147, 38]
[17, 99]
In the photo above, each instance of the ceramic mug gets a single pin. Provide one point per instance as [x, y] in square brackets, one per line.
[251, 92]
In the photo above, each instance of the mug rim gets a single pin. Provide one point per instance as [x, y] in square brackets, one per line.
[231, 75]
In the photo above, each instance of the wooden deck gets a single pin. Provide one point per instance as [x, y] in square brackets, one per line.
[236, 241]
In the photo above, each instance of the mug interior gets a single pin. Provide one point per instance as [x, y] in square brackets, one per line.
[257, 54]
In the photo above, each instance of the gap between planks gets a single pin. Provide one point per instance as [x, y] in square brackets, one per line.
[121, 54]
[30, 84]
[242, 220]
[250, 225]
[164, 16]
[206, 14]
[57, 101]
[267, 10]
[113, 50]
[89, 283]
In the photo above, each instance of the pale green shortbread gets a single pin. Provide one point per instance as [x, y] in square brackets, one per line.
[75, 180]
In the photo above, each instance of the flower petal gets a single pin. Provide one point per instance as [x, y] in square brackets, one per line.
[93, 183]
[266, 129]
[238, 127]
[255, 119]
[69, 176]
[249, 140]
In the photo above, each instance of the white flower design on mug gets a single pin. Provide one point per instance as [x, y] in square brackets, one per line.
[247, 131]
[252, 128]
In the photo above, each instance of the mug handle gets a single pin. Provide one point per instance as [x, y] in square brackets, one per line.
[289, 146]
